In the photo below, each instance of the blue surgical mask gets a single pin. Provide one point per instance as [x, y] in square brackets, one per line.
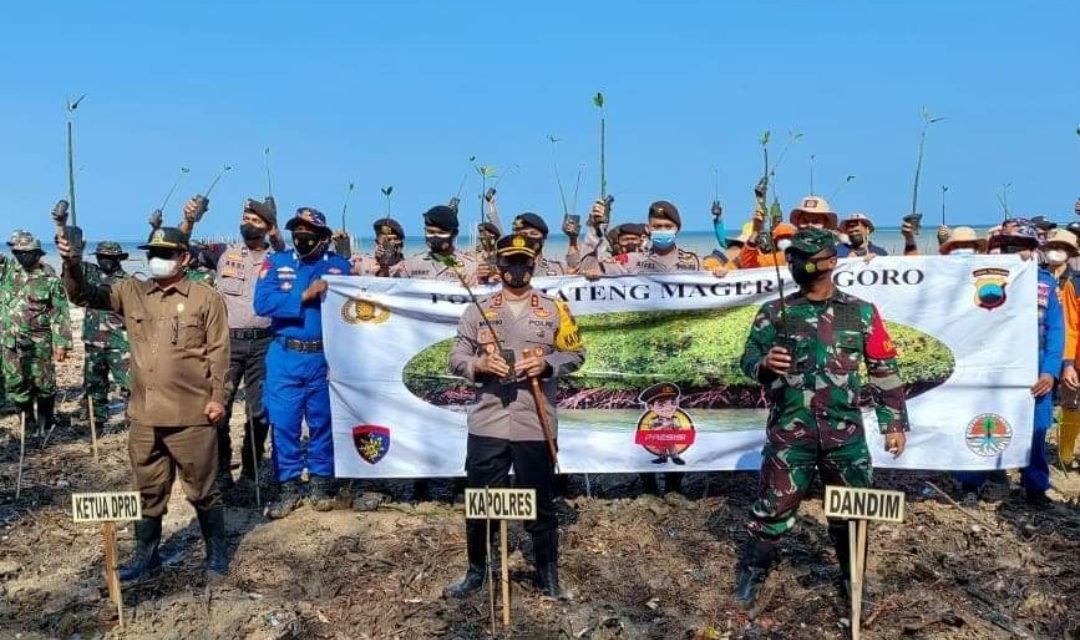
[663, 239]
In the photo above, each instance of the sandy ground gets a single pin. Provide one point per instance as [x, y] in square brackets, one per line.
[637, 566]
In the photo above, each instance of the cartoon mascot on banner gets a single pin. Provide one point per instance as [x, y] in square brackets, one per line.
[664, 429]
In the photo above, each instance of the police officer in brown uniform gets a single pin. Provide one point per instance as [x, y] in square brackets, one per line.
[179, 338]
[440, 233]
[504, 426]
[532, 226]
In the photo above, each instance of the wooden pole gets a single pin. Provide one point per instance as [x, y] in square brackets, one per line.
[541, 410]
[93, 427]
[112, 580]
[254, 458]
[22, 453]
[856, 543]
[505, 572]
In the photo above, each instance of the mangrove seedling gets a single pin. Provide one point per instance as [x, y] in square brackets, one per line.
[269, 184]
[598, 102]
[183, 172]
[71, 107]
[558, 180]
[928, 119]
[1003, 198]
[345, 205]
[848, 180]
[224, 169]
[944, 190]
[386, 191]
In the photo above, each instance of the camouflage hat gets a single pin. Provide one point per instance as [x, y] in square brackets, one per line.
[1023, 231]
[166, 238]
[517, 244]
[14, 237]
[659, 391]
[110, 248]
[811, 240]
[25, 241]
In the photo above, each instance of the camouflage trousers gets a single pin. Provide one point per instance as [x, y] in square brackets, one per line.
[787, 472]
[98, 364]
[29, 371]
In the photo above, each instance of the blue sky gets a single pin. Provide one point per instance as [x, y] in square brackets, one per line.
[403, 93]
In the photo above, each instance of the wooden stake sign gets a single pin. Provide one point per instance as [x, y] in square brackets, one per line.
[501, 505]
[108, 509]
[859, 506]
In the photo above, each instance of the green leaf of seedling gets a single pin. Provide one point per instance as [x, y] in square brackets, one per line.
[472, 158]
[1078, 130]
[387, 190]
[849, 178]
[446, 260]
[488, 171]
[764, 140]
[598, 100]
[552, 139]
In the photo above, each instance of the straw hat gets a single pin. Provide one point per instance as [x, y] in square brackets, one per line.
[858, 217]
[965, 236]
[813, 205]
[1062, 239]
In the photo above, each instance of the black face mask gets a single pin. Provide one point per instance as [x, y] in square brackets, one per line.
[249, 232]
[108, 265]
[27, 258]
[856, 239]
[439, 244]
[804, 269]
[516, 276]
[306, 243]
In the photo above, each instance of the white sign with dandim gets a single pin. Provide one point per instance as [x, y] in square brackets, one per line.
[864, 504]
[500, 504]
[117, 506]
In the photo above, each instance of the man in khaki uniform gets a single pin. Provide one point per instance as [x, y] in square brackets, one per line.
[532, 226]
[504, 426]
[440, 233]
[179, 336]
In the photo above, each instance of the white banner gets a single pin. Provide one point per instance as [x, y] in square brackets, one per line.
[966, 328]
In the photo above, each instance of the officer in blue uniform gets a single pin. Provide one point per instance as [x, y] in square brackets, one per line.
[1020, 236]
[290, 292]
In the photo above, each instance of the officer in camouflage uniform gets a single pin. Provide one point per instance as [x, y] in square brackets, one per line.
[37, 328]
[808, 360]
[104, 337]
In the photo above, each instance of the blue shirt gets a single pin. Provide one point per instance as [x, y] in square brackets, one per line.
[1051, 326]
[282, 282]
[847, 251]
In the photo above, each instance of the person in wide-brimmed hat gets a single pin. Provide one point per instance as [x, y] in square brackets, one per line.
[961, 241]
[1059, 250]
[858, 227]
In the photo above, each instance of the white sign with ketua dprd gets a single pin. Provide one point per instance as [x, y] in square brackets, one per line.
[114, 506]
[108, 509]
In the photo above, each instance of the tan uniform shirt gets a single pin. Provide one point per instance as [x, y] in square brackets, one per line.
[650, 262]
[508, 411]
[545, 267]
[422, 266]
[237, 272]
[179, 345]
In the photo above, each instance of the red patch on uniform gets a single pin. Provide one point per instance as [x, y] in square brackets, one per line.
[879, 345]
[265, 269]
[622, 258]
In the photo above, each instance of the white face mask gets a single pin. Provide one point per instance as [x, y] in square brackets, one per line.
[963, 251]
[1056, 256]
[160, 268]
[783, 244]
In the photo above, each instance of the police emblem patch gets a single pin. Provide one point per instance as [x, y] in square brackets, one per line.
[372, 442]
[990, 286]
[988, 435]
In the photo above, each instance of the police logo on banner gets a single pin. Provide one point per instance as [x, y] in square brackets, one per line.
[990, 286]
[372, 442]
[988, 435]
[357, 311]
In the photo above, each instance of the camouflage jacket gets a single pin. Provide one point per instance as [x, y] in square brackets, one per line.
[35, 307]
[818, 399]
[201, 275]
[103, 328]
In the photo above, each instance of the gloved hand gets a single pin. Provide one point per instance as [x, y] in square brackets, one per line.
[60, 213]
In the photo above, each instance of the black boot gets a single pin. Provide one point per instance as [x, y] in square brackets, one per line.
[46, 416]
[673, 482]
[27, 409]
[249, 463]
[546, 545]
[145, 560]
[288, 499]
[476, 574]
[649, 484]
[212, 524]
[320, 498]
[841, 539]
[757, 560]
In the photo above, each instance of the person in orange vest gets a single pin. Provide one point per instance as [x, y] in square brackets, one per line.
[752, 256]
[1061, 247]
